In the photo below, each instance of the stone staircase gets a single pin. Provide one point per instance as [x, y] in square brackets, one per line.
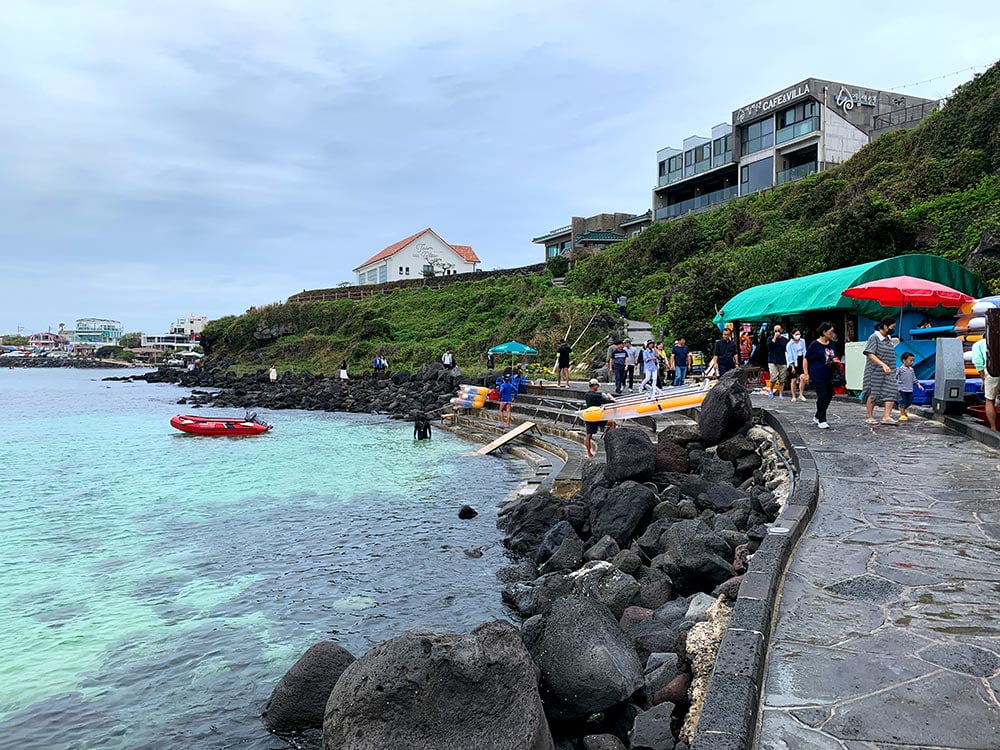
[638, 330]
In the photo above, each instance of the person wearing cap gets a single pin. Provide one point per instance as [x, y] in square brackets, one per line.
[650, 365]
[593, 397]
[507, 391]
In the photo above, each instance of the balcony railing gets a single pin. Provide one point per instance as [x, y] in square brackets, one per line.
[696, 204]
[796, 173]
[794, 131]
[669, 177]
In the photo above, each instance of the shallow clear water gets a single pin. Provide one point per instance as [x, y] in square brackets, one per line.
[156, 585]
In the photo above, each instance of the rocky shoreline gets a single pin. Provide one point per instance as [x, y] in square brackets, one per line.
[624, 591]
[79, 363]
[399, 394]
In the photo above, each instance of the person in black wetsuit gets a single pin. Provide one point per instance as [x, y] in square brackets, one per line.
[594, 397]
[422, 428]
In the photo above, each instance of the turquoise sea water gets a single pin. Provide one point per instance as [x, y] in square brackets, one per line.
[157, 585]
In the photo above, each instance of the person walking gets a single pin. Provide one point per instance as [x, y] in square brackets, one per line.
[272, 374]
[818, 361]
[776, 364]
[879, 381]
[617, 363]
[622, 302]
[680, 358]
[906, 381]
[508, 392]
[448, 359]
[991, 383]
[664, 361]
[795, 353]
[562, 364]
[490, 361]
[724, 353]
[634, 360]
[593, 397]
[650, 366]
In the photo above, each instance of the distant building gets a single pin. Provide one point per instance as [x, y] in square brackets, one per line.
[418, 255]
[185, 334]
[96, 331]
[583, 235]
[47, 341]
[783, 137]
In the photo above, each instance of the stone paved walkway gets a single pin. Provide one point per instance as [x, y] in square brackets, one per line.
[888, 633]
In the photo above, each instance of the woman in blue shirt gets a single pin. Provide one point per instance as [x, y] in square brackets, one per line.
[818, 361]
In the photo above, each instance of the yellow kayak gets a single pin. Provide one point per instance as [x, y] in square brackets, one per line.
[642, 406]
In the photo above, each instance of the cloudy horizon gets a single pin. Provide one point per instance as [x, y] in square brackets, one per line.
[203, 157]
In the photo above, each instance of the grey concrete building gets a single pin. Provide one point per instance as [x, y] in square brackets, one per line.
[583, 235]
[782, 137]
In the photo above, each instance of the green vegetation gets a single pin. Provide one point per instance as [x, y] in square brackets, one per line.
[934, 189]
[411, 327]
[130, 340]
[12, 339]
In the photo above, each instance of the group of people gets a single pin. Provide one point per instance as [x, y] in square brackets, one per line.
[380, 364]
[786, 364]
[651, 360]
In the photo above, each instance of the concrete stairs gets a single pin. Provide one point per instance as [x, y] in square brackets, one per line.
[638, 330]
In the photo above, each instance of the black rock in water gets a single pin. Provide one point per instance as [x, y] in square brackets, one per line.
[466, 512]
[422, 691]
[299, 700]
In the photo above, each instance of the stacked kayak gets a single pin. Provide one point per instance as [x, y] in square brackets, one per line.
[648, 404]
[470, 397]
[248, 425]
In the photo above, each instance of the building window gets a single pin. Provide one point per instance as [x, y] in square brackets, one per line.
[663, 168]
[757, 136]
[428, 268]
[756, 176]
[383, 274]
[636, 232]
[675, 163]
[407, 270]
[798, 113]
[400, 270]
[552, 251]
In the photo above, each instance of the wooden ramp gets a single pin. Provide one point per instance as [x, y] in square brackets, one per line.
[505, 438]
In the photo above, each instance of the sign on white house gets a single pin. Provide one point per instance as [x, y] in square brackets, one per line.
[421, 254]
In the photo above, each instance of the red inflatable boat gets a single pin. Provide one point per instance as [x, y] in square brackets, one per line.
[248, 425]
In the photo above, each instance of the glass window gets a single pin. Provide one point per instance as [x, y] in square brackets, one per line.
[757, 136]
[428, 268]
[400, 270]
[407, 270]
[675, 163]
[756, 176]
[383, 274]
[703, 153]
[688, 158]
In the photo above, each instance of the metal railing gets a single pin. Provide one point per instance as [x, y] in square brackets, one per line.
[698, 203]
[796, 173]
[797, 129]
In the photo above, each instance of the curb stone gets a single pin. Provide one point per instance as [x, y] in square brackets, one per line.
[732, 703]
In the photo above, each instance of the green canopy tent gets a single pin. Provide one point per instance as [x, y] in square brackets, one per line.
[824, 291]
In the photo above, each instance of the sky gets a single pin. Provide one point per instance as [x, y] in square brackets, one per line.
[163, 159]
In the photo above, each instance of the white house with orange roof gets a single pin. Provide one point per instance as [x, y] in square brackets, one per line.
[417, 255]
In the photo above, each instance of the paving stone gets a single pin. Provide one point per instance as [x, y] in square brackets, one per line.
[900, 648]
[779, 731]
[868, 587]
[794, 680]
[825, 619]
[965, 717]
[963, 658]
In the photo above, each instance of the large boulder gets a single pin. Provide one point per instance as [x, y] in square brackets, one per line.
[618, 512]
[694, 557]
[527, 522]
[652, 729]
[671, 457]
[736, 446]
[722, 497]
[678, 432]
[587, 663]
[725, 410]
[551, 541]
[569, 556]
[715, 470]
[607, 584]
[630, 454]
[299, 699]
[424, 691]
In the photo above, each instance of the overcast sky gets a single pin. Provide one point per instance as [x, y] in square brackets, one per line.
[159, 159]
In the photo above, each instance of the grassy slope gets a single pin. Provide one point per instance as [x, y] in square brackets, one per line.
[934, 189]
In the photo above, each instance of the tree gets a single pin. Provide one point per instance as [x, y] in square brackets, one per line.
[130, 340]
[435, 262]
[11, 339]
